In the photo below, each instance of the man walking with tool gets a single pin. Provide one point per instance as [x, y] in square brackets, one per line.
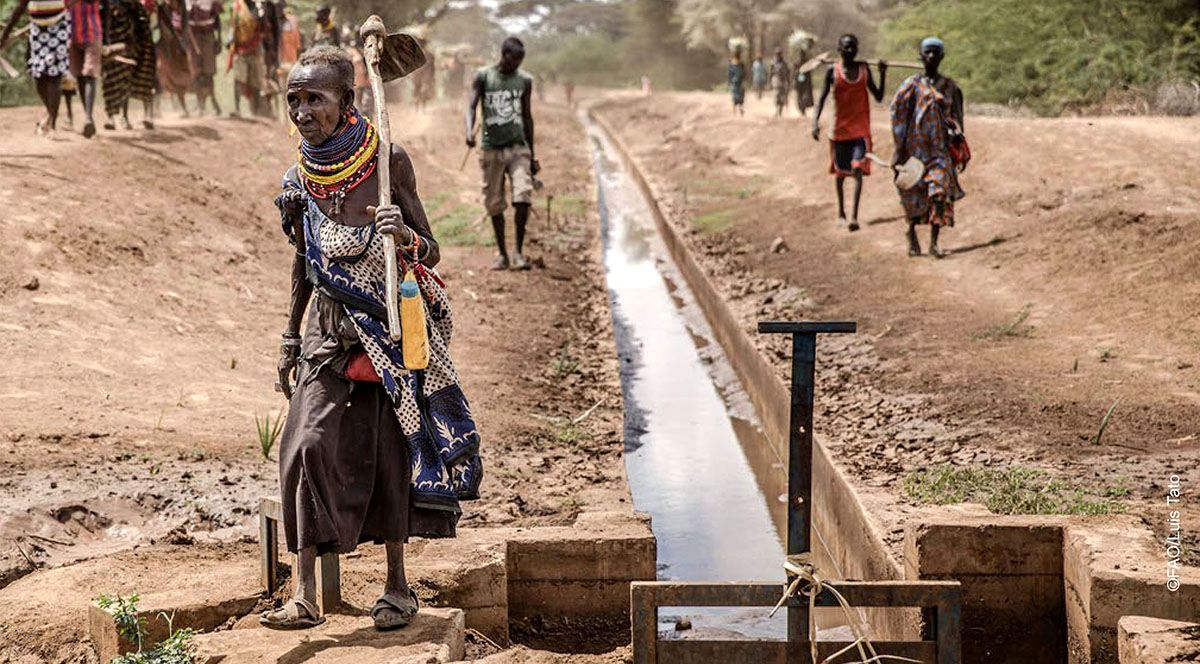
[850, 82]
[505, 93]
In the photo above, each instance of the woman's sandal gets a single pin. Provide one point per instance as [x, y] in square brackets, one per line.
[296, 613]
[393, 612]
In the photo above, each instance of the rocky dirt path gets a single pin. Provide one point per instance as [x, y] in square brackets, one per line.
[1070, 287]
[142, 293]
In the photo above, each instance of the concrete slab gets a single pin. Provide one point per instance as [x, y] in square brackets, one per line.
[467, 573]
[582, 571]
[434, 637]
[228, 591]
[1113, 568]
[1011, 574]
[1142, 640]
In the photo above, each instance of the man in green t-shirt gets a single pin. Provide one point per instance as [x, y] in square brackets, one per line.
[505, 93]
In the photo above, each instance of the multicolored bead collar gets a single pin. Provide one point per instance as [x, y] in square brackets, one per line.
[335, 167]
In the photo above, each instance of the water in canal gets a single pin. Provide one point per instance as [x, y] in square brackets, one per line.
[694, 455]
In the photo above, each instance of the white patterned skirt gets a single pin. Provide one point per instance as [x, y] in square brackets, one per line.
[49, 48]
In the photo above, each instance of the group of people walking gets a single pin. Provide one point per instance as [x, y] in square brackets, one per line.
[137, 50]
[778, 76]
[927, 130]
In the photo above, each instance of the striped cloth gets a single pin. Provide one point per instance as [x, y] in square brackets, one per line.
[85, 22]
[128, 23]
[46, 12]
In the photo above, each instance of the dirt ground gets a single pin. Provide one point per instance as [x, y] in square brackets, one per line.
[1070, 286]
[141, 300]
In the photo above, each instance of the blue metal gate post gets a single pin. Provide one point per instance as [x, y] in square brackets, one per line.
[800, 446]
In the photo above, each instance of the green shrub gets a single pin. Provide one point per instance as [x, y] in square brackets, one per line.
[1054, 55]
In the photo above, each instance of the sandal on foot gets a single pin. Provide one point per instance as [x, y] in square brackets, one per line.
[89, 130]
[296, 613]
[392, 611]
[501, 263]
[853, 226]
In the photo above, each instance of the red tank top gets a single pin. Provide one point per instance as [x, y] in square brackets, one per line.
[853, 105]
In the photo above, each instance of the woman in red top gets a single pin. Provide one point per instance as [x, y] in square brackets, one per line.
[851, 82]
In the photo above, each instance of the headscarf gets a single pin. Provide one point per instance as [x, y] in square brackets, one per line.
[933, 41]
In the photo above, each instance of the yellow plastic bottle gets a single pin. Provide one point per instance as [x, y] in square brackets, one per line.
[414, 334]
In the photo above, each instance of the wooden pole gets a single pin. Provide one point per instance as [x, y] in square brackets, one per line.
[373, 34]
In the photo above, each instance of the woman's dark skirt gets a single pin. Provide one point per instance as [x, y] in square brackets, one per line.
[344, 468]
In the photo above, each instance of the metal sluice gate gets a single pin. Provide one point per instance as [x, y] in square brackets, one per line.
[940, 601]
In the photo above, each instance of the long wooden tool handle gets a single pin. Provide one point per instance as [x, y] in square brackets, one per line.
[879, 160]
[372, 50]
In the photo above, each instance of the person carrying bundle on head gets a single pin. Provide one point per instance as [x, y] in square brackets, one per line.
[852, 86]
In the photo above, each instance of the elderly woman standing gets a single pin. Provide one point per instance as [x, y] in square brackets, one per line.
[371, 451]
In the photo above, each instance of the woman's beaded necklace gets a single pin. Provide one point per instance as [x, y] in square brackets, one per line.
[334, 168]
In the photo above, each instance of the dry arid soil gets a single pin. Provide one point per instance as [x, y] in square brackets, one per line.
[1070, 286]
[143, 290]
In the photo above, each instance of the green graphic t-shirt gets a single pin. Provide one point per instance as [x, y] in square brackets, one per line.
[502, 123]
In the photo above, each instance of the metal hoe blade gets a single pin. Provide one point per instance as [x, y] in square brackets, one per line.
[401, 54]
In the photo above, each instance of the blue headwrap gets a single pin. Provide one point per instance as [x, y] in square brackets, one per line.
[932, 41]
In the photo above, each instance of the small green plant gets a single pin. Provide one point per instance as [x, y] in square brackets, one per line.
[1104, 422]
[565, 363]
[175, 649]
[268, 432]
[1119, 488]
[1010, 490]
[1014, 328]
[130, 625]
[569, 433]
[1107, 354]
